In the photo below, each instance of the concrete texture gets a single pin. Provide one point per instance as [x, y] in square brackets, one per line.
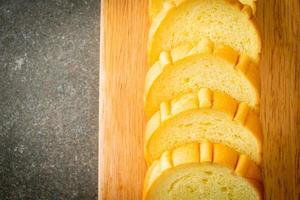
[49, 55]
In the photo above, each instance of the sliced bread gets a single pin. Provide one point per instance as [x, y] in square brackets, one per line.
[186, 69]
[206, 115]
[156, 6]
[222, 21]
[203, 171]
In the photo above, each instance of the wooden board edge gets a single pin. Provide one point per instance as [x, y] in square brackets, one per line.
[101, 103]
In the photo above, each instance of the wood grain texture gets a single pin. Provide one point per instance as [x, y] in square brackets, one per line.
[280, 70]
[124, 25]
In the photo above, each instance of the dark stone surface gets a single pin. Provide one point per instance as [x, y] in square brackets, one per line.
[49, 99]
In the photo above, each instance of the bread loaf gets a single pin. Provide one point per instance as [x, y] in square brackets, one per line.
[202, 94]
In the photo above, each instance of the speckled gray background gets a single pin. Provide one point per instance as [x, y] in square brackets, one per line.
[48, 99]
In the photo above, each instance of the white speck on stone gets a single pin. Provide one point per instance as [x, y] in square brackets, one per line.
[20, 149]
[23, 79]
[19, 62]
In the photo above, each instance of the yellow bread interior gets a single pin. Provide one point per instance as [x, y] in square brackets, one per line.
[203, 171]
[222, 21]
[187, 69]
[156, 6]
[206, 115]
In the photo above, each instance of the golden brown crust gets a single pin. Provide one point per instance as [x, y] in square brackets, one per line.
[205, 99]
[198, 153]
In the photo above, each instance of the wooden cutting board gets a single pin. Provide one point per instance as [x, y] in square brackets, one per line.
[124, 26]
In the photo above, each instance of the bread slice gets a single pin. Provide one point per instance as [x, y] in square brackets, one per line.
[223, 21]
[203, 171]
[209, 65]
[156, 6]
[208, 115]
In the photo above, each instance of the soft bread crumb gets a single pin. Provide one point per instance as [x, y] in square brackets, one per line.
[226, 121]
[219, 20]
[221, 69]
[189, 175]
[155, 6]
